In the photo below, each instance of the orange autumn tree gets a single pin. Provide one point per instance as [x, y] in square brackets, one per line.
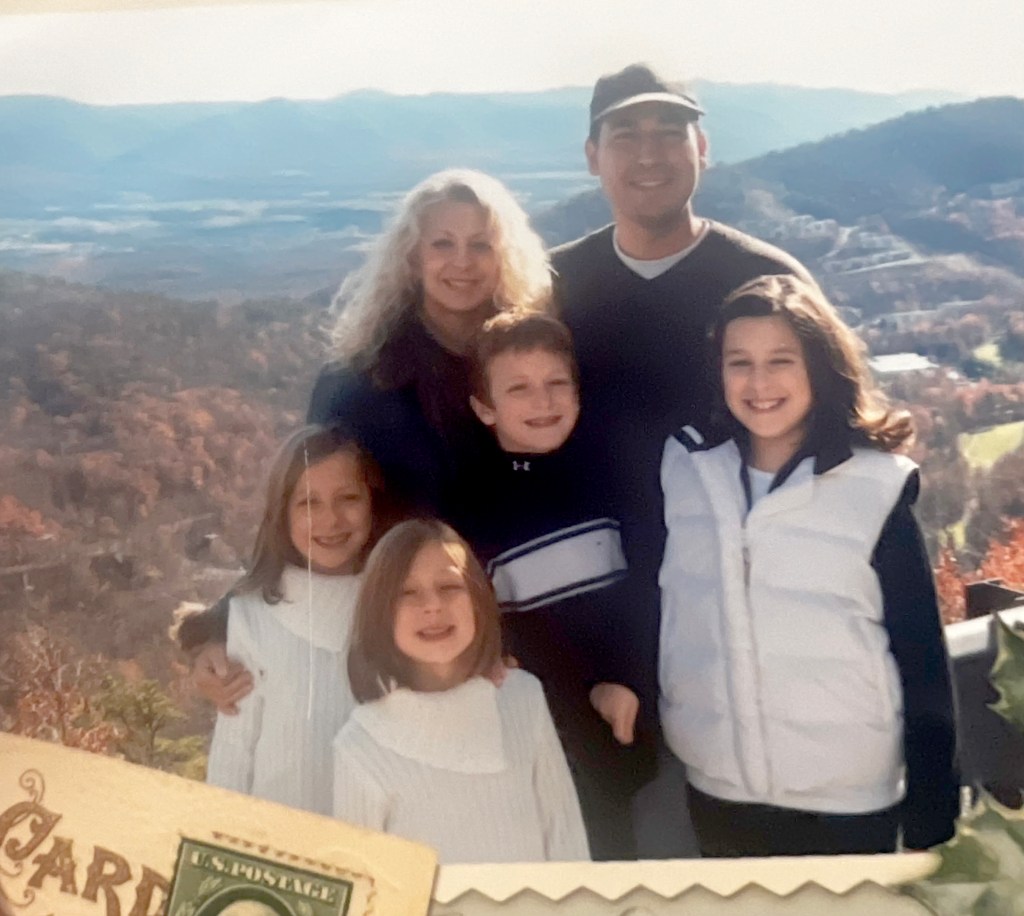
[53, 694]
[1004, 558]
[950, 587]
[20, 525]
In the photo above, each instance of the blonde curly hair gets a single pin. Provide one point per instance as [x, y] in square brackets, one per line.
[373, 300]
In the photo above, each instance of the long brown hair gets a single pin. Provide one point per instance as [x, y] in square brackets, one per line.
[375, 665]
[274, 549]
[846, 407]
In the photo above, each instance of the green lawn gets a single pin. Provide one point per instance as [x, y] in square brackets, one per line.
[957, 534]
[988, 353]
[982, 450]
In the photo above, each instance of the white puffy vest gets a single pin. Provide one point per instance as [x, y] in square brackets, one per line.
[777, 683]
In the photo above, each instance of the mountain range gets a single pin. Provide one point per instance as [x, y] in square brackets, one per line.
[57, 152]
[916, 211]
[234, 200]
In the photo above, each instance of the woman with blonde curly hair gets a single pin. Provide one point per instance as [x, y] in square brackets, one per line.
[459, 249]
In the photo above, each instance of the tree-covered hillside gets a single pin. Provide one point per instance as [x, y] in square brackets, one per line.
[944, 180]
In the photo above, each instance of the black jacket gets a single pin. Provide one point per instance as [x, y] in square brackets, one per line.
[558, 513]
[411, 414]
[644, 365]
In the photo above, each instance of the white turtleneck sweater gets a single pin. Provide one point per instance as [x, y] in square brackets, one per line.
[477, 772]
[278, 747]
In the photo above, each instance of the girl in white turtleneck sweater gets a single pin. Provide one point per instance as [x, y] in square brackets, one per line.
[289, 621]
[436, 752]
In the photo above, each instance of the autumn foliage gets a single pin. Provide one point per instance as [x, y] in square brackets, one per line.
[1004, 560]
[52, 689]
[950, 587]
[137, 432]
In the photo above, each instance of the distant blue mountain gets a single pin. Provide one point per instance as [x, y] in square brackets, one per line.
[280, 196]
[946, 180]
[745, 121]
[54, 152]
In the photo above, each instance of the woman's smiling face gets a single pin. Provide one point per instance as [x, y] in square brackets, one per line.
[456, 262]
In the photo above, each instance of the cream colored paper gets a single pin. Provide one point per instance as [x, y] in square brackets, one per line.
[832, 885]
[86, 835]
[24, 7]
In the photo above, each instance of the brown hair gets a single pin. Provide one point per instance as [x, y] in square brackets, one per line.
[845, 403]
[375, 665]
[274, 548]
[520, 331]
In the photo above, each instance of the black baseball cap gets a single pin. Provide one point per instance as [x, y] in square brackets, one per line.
[635, 84]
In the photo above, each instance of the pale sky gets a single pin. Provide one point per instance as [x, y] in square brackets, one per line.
[299, 49]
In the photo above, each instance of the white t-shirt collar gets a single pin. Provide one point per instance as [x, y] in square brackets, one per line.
[651, 269]
[760, 483]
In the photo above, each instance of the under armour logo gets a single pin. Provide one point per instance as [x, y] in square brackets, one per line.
[520, 465]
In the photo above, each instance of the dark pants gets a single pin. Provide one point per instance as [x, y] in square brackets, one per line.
[651, 822]
[732, 829]
[608, 817]
[607, 775]
[661, 816]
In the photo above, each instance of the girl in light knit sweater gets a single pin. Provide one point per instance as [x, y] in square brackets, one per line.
[289, 619]
[436, 752]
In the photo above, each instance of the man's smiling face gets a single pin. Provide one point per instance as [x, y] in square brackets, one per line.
[648, 157]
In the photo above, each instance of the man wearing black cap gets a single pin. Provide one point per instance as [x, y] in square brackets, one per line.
[639, 296]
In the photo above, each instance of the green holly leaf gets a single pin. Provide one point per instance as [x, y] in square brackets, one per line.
[981, 870]
[1008, 675]
[990, 816]
[950, 899]
[966, 858]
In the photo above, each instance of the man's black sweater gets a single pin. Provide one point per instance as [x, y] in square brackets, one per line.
[645, 372]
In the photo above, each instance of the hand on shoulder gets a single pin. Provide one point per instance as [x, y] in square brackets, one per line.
[501, 669]
[219, 679]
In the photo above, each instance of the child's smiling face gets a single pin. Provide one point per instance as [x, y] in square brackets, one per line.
[767, 388]
[329, 514]
[534, 402]
[434, 620]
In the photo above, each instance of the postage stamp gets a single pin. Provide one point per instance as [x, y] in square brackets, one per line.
[216, 881]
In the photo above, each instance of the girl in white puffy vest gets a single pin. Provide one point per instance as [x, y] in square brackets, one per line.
[289, 620]
[804, 678]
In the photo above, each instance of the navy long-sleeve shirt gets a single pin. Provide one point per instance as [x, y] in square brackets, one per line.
[911, 616]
